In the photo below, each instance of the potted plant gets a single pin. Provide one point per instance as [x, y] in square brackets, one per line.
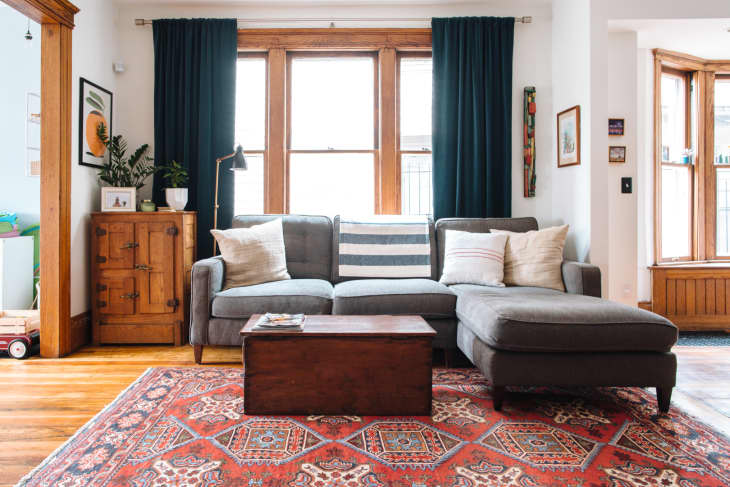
[176, 194]
[121, 171]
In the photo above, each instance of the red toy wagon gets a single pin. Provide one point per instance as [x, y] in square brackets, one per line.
[19, 331]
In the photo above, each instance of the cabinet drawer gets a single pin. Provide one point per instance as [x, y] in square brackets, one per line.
[136, 333]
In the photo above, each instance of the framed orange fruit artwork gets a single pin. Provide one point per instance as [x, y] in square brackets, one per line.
[95, 110]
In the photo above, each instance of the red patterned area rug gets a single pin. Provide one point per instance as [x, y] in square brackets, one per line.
[186, 427]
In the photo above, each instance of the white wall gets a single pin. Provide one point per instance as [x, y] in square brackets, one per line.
[94, 49]
[571, 86]
[22, 59]
[623, 217]
[532, 67]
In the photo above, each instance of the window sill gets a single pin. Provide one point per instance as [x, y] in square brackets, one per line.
[704, 264]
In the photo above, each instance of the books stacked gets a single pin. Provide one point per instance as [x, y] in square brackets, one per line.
[280, 321]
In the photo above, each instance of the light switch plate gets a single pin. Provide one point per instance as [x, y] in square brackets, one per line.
[626, 185]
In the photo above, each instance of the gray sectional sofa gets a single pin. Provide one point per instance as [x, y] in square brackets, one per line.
[514, 335]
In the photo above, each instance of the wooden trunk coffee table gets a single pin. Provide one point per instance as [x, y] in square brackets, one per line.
[358, 365]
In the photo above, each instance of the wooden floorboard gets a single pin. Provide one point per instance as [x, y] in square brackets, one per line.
[46, 401]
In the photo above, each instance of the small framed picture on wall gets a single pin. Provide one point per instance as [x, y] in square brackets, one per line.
[616, 126]
[617, 154]
[569, 137]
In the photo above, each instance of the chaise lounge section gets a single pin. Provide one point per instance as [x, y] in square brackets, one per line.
[516, 336]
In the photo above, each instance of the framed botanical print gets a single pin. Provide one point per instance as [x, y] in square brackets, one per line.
[95, 108]
[569, 137]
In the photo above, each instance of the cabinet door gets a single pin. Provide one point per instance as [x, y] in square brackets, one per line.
[115, 245]
[155, 264]
[116, 296]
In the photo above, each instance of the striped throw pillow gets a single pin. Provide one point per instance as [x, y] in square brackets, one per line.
[384, 247]
[473, 258]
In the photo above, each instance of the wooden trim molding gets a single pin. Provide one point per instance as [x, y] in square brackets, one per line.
[57, 21]
[46, 11]
[330, 39]
[681, 61]
[79, 330]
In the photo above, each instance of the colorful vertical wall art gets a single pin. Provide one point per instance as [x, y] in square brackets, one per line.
[529, 141]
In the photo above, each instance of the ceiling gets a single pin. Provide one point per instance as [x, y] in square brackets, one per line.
[706, 38]
[301, 3]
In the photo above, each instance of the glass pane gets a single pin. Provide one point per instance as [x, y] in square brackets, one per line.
[415, 186]
[722, 121]
[722, 244]
[251, 103]
[249, 189]
[332, 103]
[331, 184]
[675, 211]
[415, 103]
[673, 118]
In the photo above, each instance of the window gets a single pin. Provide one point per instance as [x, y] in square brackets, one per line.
[676, 172]
[332, 137]
[415, 75]
[692, 98]
[250, 133]
[334, 121]
[721, 164]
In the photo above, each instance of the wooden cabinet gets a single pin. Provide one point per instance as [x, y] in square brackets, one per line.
[695, 297]
[141, 264]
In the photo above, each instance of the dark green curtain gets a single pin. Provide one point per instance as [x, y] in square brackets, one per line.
[472, 116]
[195, 102]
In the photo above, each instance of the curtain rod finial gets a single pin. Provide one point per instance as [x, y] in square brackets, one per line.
[139, 22]
[526, 20]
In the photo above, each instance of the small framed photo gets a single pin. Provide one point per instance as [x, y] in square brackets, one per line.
[118, 199]
[616, 126]
[617, 153]
[569, 137]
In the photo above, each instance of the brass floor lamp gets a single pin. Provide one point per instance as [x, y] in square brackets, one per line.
[239, 164]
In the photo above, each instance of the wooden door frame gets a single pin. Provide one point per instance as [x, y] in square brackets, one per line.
[57, 21]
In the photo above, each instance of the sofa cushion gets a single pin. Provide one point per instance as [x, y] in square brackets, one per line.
[477, 225]
[424, 297]
[528, 319]
[307, 243]
[309, 296]
[335, 246]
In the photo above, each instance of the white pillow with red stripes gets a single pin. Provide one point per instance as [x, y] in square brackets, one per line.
[473, 258]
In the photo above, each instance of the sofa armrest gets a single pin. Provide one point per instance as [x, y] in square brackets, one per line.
[207, 280]
[582, 278]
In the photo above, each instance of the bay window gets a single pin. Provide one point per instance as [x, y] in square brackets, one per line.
[692, 127]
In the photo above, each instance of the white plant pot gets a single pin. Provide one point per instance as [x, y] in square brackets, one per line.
[176, 198]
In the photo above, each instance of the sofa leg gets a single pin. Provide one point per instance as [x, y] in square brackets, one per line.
[448, 357]
[498, 397]
[198, 353]
[663, 398]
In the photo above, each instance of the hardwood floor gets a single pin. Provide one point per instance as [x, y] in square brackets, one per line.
[45, 401]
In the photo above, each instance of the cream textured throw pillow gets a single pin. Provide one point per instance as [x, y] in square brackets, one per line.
[253, 255]
[535, 258]
[473, 258]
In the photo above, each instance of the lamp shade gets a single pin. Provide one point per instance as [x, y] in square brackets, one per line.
[239, 160]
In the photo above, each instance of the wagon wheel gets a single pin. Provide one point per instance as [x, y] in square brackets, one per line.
[18, 349]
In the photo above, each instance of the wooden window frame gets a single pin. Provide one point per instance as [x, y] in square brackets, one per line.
[265, 152]
[375, 151]
[702, 74]
[399, 155]
[385, 45]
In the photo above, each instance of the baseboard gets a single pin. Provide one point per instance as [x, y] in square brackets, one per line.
[79, 333]
[645, 305]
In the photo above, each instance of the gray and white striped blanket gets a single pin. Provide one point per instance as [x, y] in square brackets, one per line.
[384, 247]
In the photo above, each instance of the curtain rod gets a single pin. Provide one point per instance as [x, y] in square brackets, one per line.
[522, 20]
